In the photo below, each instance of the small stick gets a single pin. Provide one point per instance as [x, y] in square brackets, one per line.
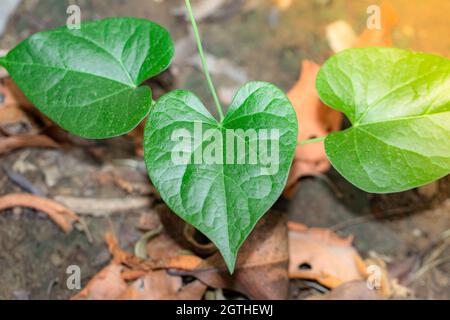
[101, 207]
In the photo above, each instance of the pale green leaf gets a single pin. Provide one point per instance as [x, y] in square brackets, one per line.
[399, 105]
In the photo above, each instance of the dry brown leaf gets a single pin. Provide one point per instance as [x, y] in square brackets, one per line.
[148, 284]
[136, 265]
[159, 285]
[163, 247]
[109, 284]
[321, 255]
[61, 215]
[155, 285]
[120, 256]
[27, 106]
[261, 268]
[182, 262]
[105, 285]
[132, 275]
[33, 115]
[9, 144]
[13, 120]
[354, 290]
[315, 120]
[192, 291]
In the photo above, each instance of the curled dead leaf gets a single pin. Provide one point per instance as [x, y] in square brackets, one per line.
[148, 281]
[120, 256]
[159, 285]
[321, 255]
[9, 144]
[315, 120]
[62, 216]
[35, 121]
[261, 268]
[105, 285]
[163, 247]
[166, 260]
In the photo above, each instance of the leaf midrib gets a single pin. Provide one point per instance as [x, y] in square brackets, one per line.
[132, 83]
[6, 61]
[401, 118]
[99, 99]
[395, 146]
[224, 176]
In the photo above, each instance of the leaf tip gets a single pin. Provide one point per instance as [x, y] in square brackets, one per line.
[230, 261]
[229, 256]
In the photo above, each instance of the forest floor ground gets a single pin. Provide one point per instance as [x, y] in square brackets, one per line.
[246, 42]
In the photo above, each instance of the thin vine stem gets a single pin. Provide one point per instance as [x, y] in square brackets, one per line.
[203, 59]
[311, 140]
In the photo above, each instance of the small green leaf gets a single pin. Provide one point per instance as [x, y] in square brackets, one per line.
[399, 105]
[87, 80]
[228, 180]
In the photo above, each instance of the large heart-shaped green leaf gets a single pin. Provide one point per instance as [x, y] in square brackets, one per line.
[87, 80]
[224, 178]
[399, 105]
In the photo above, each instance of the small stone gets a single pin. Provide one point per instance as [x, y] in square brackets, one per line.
[17, 212]
[21, 294]
[417, 233]
[56, 259]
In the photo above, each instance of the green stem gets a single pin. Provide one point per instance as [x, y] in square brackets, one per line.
[311, 140]
[203, 59]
